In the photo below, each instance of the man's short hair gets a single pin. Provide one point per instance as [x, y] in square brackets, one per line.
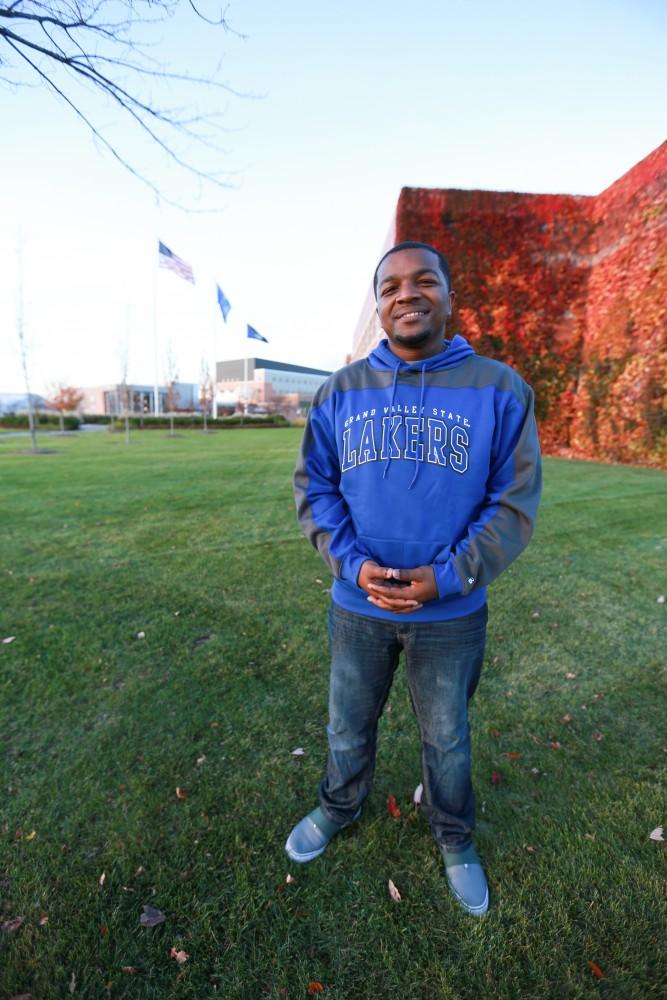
[414, 245]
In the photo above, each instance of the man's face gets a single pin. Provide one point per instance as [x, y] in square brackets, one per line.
[413, 302]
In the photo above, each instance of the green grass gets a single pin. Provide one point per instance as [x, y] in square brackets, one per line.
[193, 541]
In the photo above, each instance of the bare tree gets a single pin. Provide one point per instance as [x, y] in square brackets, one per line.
[24, 364]
[171, 379]
[23, 347]
[205, 391]
[124, 391]
[65, 398]
[109, 47]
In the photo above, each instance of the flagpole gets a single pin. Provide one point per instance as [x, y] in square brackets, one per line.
[156, 392]
[20, 331]
[244, 408]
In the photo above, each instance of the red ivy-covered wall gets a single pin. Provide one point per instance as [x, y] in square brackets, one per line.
[571, 291]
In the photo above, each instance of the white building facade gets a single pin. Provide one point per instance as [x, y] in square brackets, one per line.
[258, 382]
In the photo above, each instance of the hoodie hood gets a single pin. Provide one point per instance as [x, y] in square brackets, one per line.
[456, 351]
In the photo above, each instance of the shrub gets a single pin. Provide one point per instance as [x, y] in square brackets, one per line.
[43, 421]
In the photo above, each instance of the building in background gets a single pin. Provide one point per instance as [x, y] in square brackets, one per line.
[110, 398]
[570, 290]
[16, 402]
[261, 385]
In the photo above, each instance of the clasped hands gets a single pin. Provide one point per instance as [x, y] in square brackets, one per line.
[397, 590]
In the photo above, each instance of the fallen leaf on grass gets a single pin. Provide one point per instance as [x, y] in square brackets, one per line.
[598, 737]
[566, 718]
[43, 919]
[31, 836]
[314, 988]
[495, 732]
[656, 834]
[661, 600]
[201, 760]
[180, 956]
[393, 807]
[419, 791]
[181, 793]
[531, 850]
[72, 983]
[8, 639]
[596, 970]
[21, 996]
[140, 870]
[496, 777]
[141, 635]
[104, 930]
[129, 970]
[393, 892]
[512, 754]
[298, 752]
[151, 916]
[570, 676]
[102, 879]
[589, 836]
[290, 879]
[555, 745]
[200, 640]
[9, 926]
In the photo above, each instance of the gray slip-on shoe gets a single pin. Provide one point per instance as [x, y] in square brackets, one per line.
[466, 879]
[311, 836]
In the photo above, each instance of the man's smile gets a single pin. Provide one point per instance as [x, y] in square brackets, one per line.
[413, 314]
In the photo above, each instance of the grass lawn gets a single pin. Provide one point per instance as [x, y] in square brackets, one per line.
[169, 624]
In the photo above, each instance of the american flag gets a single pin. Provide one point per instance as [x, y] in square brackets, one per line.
[173, 263]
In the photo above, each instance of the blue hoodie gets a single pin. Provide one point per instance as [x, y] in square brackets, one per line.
[432, 463]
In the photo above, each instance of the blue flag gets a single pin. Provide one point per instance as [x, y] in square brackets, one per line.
[224, 303]
[252, 333]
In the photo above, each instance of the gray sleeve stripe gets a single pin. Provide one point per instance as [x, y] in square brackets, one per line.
[321, 540]
[475, 373]
[508, 532]
[359, 375]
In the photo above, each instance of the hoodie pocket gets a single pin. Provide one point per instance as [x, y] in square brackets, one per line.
[399, 554]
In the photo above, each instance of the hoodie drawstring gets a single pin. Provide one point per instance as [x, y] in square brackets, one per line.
[420, 424]
[391, 411]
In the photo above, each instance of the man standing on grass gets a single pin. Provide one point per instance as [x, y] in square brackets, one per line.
[418, 482]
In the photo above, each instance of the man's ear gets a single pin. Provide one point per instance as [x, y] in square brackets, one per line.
[450, 301]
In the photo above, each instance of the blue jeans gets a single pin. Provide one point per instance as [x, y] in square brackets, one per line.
[443, 663]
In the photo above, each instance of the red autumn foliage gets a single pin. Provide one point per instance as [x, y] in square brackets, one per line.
[571, 290]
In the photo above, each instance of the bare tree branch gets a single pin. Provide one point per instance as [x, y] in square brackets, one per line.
[105, 45]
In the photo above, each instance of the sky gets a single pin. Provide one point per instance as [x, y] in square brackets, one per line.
[342, 105]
